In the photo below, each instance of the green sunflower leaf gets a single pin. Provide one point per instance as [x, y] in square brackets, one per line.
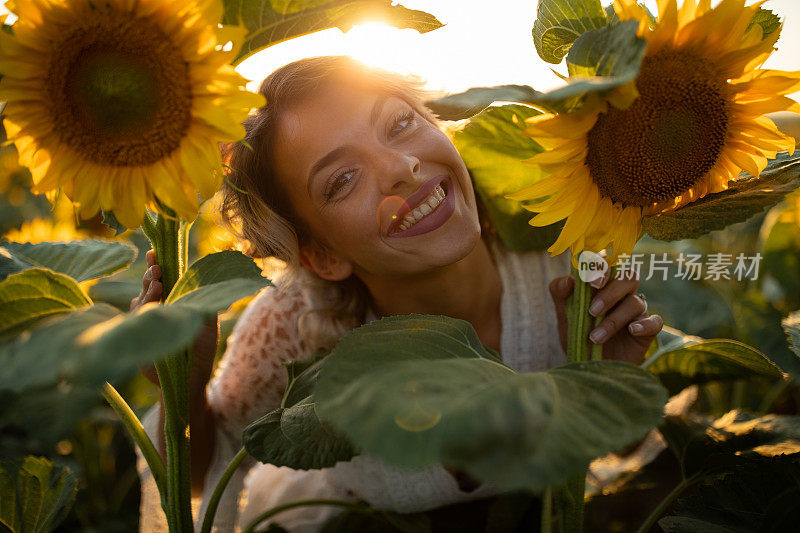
[34, 294]
[493, 148]
[611, 51]
[82, 260]
[270, 22]
[760, 495]
[560, 22]
[703, 444]
[95, 344]
[769, 21]
[216, 268]
[600, 61]
[473, 101]
[35, 494]
[745, 197]
[700, 361]
[110, 220]
[418, 390]
[293, 435]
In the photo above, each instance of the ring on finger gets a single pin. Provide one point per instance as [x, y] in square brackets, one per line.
[643, 298]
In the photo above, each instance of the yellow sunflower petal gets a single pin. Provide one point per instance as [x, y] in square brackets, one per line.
[577, 223]
[630, 226]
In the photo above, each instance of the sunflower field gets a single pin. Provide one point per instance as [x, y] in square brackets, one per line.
[668, 152]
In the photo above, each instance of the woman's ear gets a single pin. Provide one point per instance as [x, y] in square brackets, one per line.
[324, 263]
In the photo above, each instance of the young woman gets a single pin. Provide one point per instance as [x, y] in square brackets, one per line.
[351, 182]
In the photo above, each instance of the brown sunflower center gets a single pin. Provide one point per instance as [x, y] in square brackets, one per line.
[668, 139]
[120, 90]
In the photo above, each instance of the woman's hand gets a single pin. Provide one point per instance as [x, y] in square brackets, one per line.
[201, 419]
[205, 344]
[626, 331]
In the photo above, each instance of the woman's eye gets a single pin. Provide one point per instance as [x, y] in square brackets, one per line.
[338, 182]
[401, 123]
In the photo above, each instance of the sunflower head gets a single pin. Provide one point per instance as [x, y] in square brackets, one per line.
[122, 104]
[692, 124]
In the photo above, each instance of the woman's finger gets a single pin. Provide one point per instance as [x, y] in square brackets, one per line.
[153, 293]
[646, 327]
[609, 296]
[150, 257]
[620, 316]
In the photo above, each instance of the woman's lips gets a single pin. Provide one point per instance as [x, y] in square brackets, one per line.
[415, 199]
[432, 220]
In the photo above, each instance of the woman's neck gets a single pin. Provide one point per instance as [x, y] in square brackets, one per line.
[469, 289]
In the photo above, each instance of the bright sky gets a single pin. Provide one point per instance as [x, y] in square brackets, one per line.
[479, 46]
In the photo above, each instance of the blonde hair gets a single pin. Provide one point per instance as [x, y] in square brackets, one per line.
[259, 212]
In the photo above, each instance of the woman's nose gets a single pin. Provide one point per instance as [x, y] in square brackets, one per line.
[398, 171]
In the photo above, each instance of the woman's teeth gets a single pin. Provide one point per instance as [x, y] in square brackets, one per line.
[425, 207]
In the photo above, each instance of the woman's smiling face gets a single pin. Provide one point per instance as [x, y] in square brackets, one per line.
[351, 160]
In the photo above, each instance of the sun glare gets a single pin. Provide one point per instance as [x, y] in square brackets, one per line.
[476, 47]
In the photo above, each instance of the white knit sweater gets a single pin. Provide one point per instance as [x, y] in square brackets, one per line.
[251, 380]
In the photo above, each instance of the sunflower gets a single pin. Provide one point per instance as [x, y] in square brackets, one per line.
[122, 103]
[689, 123]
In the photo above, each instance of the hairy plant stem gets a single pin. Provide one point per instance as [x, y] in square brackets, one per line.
[168, 238]
[568, 499]
[285, 507]
[208, 520]
[666, 502]
[137, 433]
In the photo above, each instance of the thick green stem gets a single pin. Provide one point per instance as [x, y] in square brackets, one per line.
[213, 503]
[137, 433]
[666, 502]
[579, 321]
[285, 507]
[569, 499]
[169, 243]
[547, 511]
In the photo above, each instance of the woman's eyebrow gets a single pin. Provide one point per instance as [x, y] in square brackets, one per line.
[336, 153]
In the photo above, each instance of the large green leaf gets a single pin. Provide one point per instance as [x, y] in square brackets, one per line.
[611, 51]
[82, 260]
[270, 22]
[472, 101]
[219, 296]
[34, 294]
[47, 414]
[215, 268]
[745, 197]
[559, 22]
[493, 148]
[600, 61]
[96, 344]
[416, 390]
[760, 495]
[709, 360]
[35, 494]
[702, 444]
[293, 435]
